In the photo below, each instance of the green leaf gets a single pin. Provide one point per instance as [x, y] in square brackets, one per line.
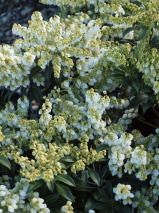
[109, 189]
[124, 209]
[104, 172]
[68, 159]
[55, 211]
[23, 91]
[4, 126]
[84, 178]
[64, 192]
[9, 134]
[147, 105]
[5, 162]
[35, 71]
[57, 205]
[126, 82]
[104, 200]
[137, 3]
[130, 41]
[89, 204]
[102, 206]
[47, 74]
[49, 200]
[94, 175]
[102, 160]
[43, 190]
[129, 29]
[101, 147]
[34, 92]
[154, 41]
[66, 179]
[9, 94]
[152, 97]
[68, 165]
[102, 192]
[136, 84]
[132, 93]
[143, 33]
[50, 185]
[140, 98]
[35, 185]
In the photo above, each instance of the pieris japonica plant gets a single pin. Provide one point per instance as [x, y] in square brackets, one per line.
[92, 70]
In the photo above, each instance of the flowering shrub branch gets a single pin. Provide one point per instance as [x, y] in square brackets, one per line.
[92, 69]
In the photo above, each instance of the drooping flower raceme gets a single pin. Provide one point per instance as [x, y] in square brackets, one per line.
[123, 193]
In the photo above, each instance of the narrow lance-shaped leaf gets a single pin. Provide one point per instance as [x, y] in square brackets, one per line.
[50, 185]
[35, 185]
[89, 204]
[9, 134]
[94, 175]
[51, 199]
[64, 192]
[124, 209]
[138, 100]
[129, 29]
[5, 162]
[66, 179]
[143, 33]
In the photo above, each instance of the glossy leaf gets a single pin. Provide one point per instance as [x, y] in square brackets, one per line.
[50, 185]
[64, 192]
[129, 29]
[34, 92]
[140, 98]
[102, 206]
[102, 147]
[55, 211]
[132, 93]
[109, 189]
[143, 32]
[35, 71]
[124, 208]
[104, 172]
[47, 74]
[68, 159]
[4, 126]
[147, 105]
[94, 175]
[9, 134]
[5, 162]
[49, 200]
[136, 84]
[66, 179]
[43, 190]
[89, 204]
[84, 177]
[35, 185]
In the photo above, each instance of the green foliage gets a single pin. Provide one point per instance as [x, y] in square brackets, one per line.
[92, 72]
[5, 162]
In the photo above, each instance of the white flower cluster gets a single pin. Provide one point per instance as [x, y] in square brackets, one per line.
[11, 118]
[128, 115]
[67, 208]
[45, 117]
[15, 67]
[118, 103]
[4, 180]
[120, 150]
[123, 193]
[139, 159]
[15, 200]
[91, 211]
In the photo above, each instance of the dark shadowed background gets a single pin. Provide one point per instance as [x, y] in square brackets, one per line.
[20, 11]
